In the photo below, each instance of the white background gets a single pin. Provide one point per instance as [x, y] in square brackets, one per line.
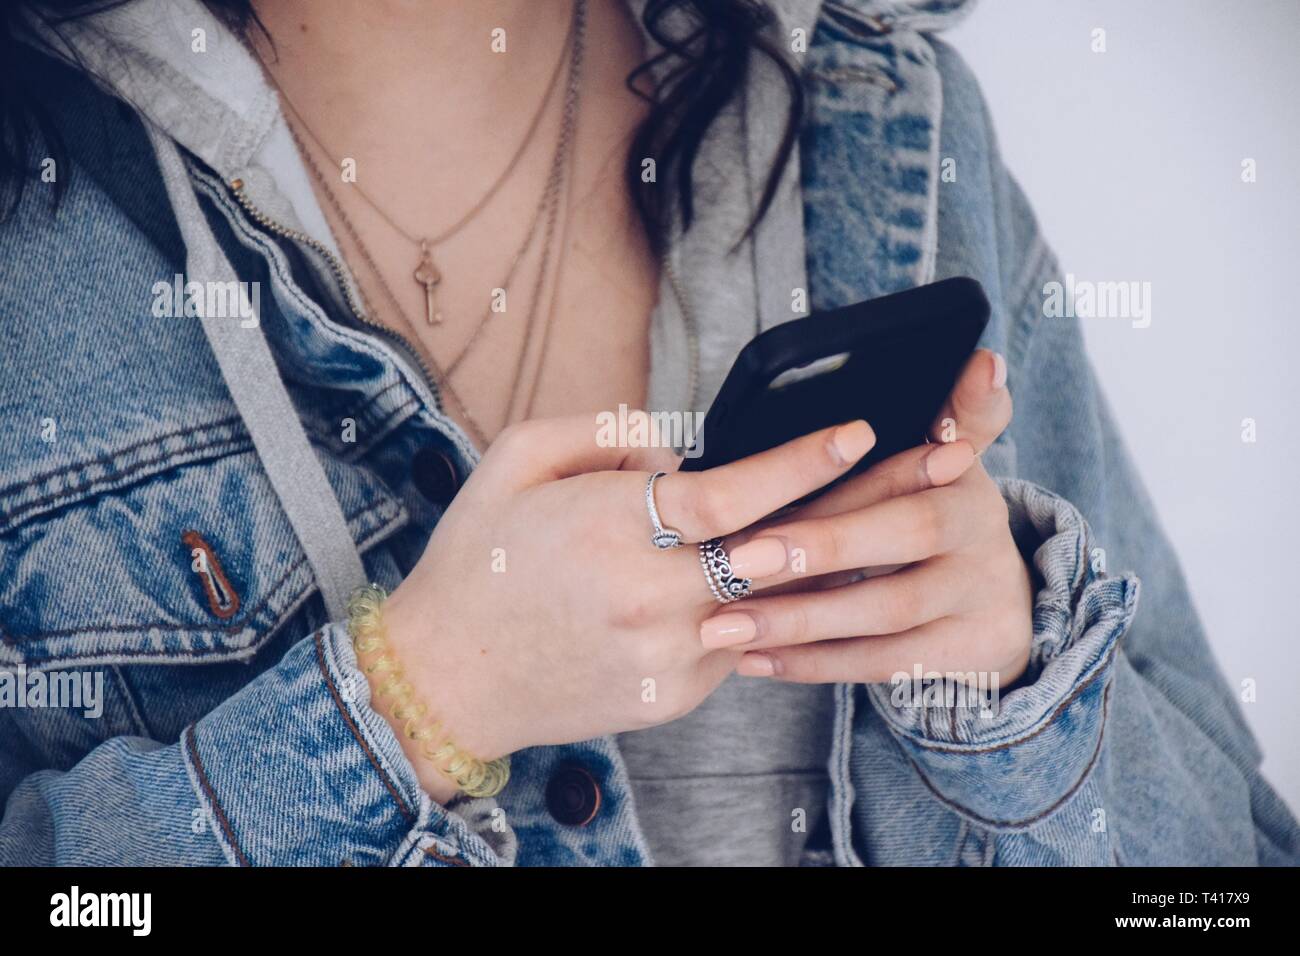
[1132, 159]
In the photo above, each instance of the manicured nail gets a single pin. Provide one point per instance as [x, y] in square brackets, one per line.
[999, 371]
[755, 664]
[758, 558]
[946, 462]
[727, 630]
[850, 442]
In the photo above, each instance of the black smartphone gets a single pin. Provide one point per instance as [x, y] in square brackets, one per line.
[892, 361]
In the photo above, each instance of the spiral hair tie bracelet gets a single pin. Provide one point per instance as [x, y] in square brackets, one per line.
[474, 777]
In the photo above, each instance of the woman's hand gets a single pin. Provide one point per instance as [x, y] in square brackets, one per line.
[962, 601]
[540, 612]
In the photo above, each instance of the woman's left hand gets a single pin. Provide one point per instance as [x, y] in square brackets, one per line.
[962, 601]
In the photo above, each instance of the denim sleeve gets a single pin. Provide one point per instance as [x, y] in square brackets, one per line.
[1012, 764]
[294, 769]
[1123, 743]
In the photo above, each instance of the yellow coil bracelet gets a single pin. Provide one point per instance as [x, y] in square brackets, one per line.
[474, 777]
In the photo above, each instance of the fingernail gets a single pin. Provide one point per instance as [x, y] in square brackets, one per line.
[946, 462]
[758, 558]
[755, 664]
[727, 630]
[999, 371]
[850, 442]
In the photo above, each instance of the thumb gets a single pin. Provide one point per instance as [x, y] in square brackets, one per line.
[979, 406]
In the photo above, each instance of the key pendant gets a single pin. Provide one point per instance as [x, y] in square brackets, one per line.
[427, 274]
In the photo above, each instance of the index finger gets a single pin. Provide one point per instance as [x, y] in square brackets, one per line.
[713, 503]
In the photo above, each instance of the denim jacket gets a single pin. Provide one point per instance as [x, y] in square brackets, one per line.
[145, 552]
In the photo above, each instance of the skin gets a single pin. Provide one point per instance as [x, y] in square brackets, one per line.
[413, 92]
[587, 611]
[962, 600]
[558, 647]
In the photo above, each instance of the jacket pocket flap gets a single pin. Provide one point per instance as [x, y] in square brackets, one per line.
[198, 563]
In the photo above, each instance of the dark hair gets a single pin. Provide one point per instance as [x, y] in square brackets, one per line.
[706, 68]
[708, 48]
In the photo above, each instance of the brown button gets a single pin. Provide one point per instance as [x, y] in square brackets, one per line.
[573, 796]
[434, 475]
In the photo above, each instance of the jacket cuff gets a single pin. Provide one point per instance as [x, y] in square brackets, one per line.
[1009, 764]
[297, 769]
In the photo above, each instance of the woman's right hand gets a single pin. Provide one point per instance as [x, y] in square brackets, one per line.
[540, 612]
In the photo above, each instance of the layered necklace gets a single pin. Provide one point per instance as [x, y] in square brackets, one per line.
[544, 222]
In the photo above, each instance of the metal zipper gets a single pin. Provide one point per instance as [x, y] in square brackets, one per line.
[340, 276]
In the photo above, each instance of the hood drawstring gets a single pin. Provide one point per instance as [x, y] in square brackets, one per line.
[263, 402]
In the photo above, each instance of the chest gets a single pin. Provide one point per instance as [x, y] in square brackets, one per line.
[535, 302]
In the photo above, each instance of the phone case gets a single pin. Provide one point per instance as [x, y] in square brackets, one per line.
[892, 361]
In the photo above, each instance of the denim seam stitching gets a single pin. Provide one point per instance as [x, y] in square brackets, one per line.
[367, 419]
[191, 746]
[237, 440]
[1020, 334]
[10, 640]
[389, 785]
[443, 858]
[378, 430]
[119, 453]
[1031, 272]
[60, 498]
[1027, 821]
[372, 422]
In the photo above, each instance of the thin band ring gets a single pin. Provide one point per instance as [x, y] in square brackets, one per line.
[665, 539]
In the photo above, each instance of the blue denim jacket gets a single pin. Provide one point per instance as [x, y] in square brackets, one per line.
[142, 544]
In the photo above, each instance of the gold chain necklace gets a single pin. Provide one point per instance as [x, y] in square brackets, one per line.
[444, 376]
[426, 272]
[548, 207]
[351, 230]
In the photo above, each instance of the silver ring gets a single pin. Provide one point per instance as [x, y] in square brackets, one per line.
[665, 539]
[726, 587]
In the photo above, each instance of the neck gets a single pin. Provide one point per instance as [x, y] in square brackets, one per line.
[440, 59]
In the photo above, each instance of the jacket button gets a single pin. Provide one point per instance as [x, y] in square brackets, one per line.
[435, 475]
[573, 796]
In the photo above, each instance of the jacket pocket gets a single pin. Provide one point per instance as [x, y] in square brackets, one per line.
[198, 563]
